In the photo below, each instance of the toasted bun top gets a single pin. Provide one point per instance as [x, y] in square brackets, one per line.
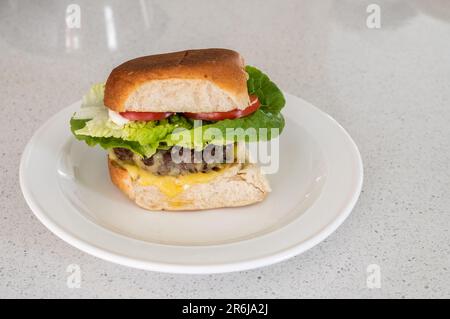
[206, 80]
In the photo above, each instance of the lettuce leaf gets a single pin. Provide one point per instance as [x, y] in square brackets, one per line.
[92, 104]
[144, 133]
[269, 95]
[267, 116]
[228, 131]
[92, 124]
[111, 142]
[95, 96]
[143, 138]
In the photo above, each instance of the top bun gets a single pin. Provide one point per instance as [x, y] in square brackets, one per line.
[206, 80]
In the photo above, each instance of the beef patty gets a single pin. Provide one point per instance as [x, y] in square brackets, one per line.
[180, 161]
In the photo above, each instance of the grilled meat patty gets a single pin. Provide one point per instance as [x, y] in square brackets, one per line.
[180, 161]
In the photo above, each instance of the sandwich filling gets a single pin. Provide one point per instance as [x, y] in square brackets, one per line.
[145, 144]
[177, 161]
[172, 178]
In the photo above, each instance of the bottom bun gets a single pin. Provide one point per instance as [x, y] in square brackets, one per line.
[238, 185]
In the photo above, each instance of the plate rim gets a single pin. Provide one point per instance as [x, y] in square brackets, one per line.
[210, 268]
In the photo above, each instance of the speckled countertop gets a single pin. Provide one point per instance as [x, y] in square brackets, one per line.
[389, 87]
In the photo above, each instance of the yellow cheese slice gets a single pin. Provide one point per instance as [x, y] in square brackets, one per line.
[170, 186]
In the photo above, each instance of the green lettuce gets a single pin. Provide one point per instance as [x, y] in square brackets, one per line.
[268, 116]
[111, 142]
[135, 131]
[92, 124]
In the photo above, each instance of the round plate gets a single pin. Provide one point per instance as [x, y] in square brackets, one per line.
[67, 186]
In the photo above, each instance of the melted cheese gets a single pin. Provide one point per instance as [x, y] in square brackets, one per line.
[170, 186]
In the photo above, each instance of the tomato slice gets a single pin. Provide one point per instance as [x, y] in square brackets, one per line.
[211, 116]
[145, 116]
[234, 114]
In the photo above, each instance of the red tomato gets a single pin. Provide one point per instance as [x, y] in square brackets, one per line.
[234, 114]
[145, 116]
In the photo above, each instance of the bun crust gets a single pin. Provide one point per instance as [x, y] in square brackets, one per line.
[237, 186]
[205, 80]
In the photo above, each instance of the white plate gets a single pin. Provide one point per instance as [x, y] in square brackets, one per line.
[67, 186]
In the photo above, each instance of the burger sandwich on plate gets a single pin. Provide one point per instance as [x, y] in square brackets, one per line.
[171, 124]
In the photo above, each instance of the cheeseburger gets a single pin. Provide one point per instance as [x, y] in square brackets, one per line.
[172, 123]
